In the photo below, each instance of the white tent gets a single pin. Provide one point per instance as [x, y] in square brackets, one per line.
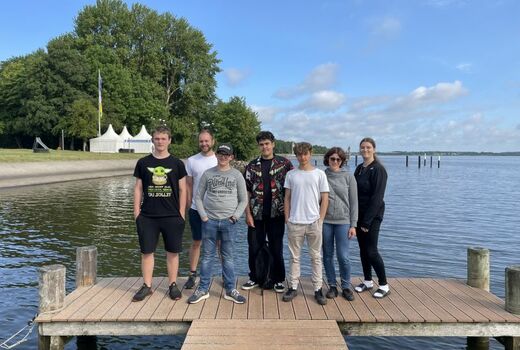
[142, 142]
[125, 137]
[109, 142]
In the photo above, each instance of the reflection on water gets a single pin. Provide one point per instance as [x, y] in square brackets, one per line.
[432, 216]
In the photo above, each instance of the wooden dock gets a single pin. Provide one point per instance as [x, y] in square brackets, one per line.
[416, 307]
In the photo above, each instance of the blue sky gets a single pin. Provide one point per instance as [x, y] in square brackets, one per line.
[414, 75]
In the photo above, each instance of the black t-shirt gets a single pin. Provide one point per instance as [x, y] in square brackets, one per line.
[160, 185]
[266, 182]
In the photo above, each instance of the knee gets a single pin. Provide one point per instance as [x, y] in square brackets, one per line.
[196, 244]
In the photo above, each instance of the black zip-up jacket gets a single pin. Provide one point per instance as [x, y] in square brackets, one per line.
[371, 184]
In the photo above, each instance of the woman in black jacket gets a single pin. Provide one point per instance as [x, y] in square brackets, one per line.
[371, 183]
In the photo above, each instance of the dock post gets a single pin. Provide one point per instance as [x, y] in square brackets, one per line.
[86, 274]
[419, 161]
[51, 289]
[356, 160]
[86, 266]
[431, 161]
[478, 277]
[512, 302]
[407, 161]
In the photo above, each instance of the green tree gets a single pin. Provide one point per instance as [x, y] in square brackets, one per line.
[236, 123]
[81, 122]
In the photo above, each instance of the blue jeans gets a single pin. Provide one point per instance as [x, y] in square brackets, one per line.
[225, 230]
[338, 234]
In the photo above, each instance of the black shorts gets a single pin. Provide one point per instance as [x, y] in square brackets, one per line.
[148, 229]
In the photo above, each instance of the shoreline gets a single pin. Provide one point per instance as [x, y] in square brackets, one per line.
[39, 173]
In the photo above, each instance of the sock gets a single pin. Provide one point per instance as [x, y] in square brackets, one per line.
[384, 287]
[369, 284]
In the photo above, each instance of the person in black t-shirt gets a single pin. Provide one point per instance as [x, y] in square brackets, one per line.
[159, 207]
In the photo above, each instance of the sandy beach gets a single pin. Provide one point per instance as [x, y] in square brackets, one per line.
[39, 173]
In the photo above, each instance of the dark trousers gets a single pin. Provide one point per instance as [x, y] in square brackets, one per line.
[274, 229]
[369, 254]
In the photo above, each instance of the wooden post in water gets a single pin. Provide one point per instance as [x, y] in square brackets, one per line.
[478, 277]
[86, 266]
[407, 161]
[424, 159]
[431, 161]
[86, 274]
[356, 159]
[439, 162]
[419, 161]
[512, 301]
[51, 289]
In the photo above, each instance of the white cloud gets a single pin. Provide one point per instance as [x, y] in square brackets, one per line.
[464, 67]
[235, 76]
[388, 27]
[325, 100]
[321, 77]
[266, 114]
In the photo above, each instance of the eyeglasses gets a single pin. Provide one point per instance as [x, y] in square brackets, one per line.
[334, 159]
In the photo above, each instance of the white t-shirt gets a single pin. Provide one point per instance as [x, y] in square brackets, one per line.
[195, 166]
[306, 188]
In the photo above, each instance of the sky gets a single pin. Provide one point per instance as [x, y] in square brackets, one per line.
[415, 75]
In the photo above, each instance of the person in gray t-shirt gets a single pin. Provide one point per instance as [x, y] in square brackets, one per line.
[221, 199]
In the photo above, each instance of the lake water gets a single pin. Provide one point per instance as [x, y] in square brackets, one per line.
[432, 216]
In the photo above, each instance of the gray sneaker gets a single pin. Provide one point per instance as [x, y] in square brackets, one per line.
[289, 295]
[142, 293]
[197, 296]
[235, 297]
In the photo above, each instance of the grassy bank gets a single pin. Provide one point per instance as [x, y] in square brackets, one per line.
[27, 155]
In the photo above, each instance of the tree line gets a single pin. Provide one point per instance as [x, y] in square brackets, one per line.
[156, 69]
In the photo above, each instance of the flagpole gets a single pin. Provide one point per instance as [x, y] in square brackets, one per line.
[100, 106]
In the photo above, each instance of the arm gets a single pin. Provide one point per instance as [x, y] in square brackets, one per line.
[378, 181]
[189, 190]
[182, 197]
[138, 196]
[353, 205]
[287, 204]
[250, 221]
[242, 197]
[201, 191]
[324, 203]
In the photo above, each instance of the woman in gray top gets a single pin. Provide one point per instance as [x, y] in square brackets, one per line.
[340, 222]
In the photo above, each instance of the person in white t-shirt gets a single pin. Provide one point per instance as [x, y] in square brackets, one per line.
[195, 166]
[305, 206]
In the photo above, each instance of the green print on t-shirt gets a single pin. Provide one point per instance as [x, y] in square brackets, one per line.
[159, 177]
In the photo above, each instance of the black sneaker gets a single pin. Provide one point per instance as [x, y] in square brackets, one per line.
[332, 292]
[142, 293]
[290, 294]
[190, 283]
[320, 298]
[279, 288]
[348, 294]
[174, 292]
[249, 285]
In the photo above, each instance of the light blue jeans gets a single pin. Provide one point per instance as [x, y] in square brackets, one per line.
[225, 230]
[338, 234]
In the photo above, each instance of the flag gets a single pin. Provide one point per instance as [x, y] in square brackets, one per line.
[100, 88]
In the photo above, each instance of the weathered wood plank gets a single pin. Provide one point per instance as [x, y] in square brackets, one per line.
[98, 313]
[154, 300]
[194, 311]
[301, 310]
[133, 308]
[225, 307]
[67, 312]
[373, 306]
[316, 310]
[240, 310]
[209, 310]
[69, 298]
[122, 303]
[255, 309]
[430, 304]
[423, 313]
[285, 310]
[270, 303]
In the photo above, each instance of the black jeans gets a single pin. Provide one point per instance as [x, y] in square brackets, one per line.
[369, 254]
[274, 229]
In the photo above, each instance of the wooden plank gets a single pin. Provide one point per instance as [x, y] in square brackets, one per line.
[98, 313]
[345, 307]
[486, 299]
[193, 311]
[402, 305]
[301, 310]
[388, 305]
[399, 287]
[209, 310]
[270, 303]
[225, 307]
[79, 302]
[263, 334]
[126, 299]
[95, 301]
[133, 308]
[441, 301]
[75, 294]
[429, 303]
[164, 308]
[285, 310]
[316, 310]
[240, 310]
[454, 297]
[331, 308]
[255, 302]
[373, 305]
[154, 301]
[356, 310]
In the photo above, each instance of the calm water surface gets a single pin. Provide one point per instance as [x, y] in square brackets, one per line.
[432, 216]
